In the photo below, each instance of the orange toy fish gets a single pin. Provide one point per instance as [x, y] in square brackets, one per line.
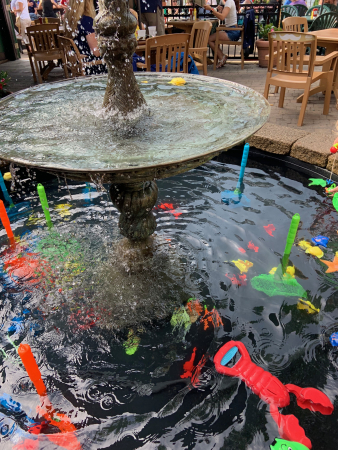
[251, 246]
[269, 229]
[235, 281]
[170, 208]
[189, 365]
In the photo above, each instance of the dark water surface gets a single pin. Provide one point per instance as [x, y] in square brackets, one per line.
[76, 307]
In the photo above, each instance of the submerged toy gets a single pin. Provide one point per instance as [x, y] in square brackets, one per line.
[317, 182]
[335, 201]
[281, 444]
[5, 222]
[243, 266]
[272, 391]
[289, 272]
[236, 198]
[269, 229]
[251, 246]
[63, 209]
[315, 251]
[334, 339]
[271, 286]
[332, 266]
[235, 282]
[44, 203]
[320, 240]
[307, 306]
[132, 343]
[7, 197]
[178, 81]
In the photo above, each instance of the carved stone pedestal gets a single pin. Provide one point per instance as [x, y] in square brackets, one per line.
[135, 202]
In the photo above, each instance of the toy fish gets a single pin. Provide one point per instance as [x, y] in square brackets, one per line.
[269, 229]
[304, 245]
[290, 271]
[307, 306]
[317, 182]
[320, 240]
[194, 309]
[251, 246]
[178, 81]
[63, 209]
[315, 251]
[7, 176]
[241, 249]
[281, 444]
[332, 266]
[188, 366]
[132, 343]
[169, 207]
[180, 319]
[334, 339]
[241, 282]
[243, 266]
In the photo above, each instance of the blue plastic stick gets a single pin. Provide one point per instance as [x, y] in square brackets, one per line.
[243, 165]
[4, 191]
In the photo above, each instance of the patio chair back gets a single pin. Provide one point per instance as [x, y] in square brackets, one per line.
[72, 56]
[48, 20]
[292, 10]
[325, 21]
[297, 24]
[198, 45]
[321, 9]
[301, 10]
[165, 52]
[331, 7]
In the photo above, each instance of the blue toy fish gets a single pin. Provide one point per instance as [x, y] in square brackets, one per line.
[320, 240]
[334, 339]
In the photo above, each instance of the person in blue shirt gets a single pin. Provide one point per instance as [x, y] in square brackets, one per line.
[152, 15]
[32, 9]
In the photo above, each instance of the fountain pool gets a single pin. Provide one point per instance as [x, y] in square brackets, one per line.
[127, 401]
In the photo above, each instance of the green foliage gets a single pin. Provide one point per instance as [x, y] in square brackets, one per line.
[264, 30]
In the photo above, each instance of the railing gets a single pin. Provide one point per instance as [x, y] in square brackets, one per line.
[264, 13]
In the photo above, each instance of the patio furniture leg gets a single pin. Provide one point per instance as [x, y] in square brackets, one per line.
[281, 97]
[38, 72]
[327, 100]
[304, 103]
[266, 90]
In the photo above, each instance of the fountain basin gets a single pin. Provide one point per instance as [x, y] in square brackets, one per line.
[61, 127]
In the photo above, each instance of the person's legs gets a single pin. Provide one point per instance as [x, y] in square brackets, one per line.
[149, 19]
[160, 22]
[24, 23]
[223, 36]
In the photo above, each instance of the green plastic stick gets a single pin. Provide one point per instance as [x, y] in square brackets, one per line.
[44, 203]
[290, 240]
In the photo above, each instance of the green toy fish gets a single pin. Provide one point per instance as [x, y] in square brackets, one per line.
[287, 445]
[317, 182]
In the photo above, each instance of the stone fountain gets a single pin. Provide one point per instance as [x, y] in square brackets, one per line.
[124, 143]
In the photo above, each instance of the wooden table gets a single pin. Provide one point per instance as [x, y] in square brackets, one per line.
[185, 25]
[328, 39]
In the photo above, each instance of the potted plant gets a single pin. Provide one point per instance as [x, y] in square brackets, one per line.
[262, 44]
[4, 78]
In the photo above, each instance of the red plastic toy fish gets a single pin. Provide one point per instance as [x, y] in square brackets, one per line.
[194, 305]
[235, 281]
[189, 365]
[241, 249]
[269, 229]
[198, 369]
[170, 208]
[272, 391]
[251, 246]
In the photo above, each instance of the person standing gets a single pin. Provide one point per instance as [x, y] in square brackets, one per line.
[152, 15]
[23, 17]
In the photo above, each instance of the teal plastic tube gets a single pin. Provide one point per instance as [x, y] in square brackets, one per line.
[4, 191]
[44, 203]
[243, 164]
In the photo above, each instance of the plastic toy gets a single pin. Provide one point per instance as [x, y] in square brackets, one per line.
[271, 286]
[289, 272]
[315, 251]
[251, 246]
[289, 243]
[304, 245]
[243, 266]
[236, 198]
[44, 204]
[12, 406]
[188, 366]
[241, 282]
[5, 222]
[132, 343]
[317, 182]
[241, 249]
[269, 229]
[335, 201]
[180, 320]
[307, 306]
[334, 339]
[272, 391]
[282, 444]
[320, 240]
[169, 207]
[7, 176]
[332, 266]
[63, 209]
[177, 81]
[5, 192]
[192, 371]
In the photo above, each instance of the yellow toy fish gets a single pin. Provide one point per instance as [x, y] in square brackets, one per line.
[307, 306]
[178, 81]
[243, 266]
[315, 251]
[290, 271]
[7, 176]
[63, 209]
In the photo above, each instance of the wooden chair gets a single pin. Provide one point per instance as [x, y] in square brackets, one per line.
[198, 45]
[297, 24]
[74, 60]
[289, 9]
[165, 51]
[239, 42]
[46, 20]
[44, 47]
[289, 71]
[325, 21]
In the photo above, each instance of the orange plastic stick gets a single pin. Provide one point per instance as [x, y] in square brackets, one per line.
[32, 368]
[5, 221]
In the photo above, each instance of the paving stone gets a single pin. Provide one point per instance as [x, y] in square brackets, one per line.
[314, 148]
[275, 138]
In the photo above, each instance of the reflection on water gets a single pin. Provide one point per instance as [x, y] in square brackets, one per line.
[77, 295]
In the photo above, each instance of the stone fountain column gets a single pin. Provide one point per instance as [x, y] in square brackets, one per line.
[115, 27]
